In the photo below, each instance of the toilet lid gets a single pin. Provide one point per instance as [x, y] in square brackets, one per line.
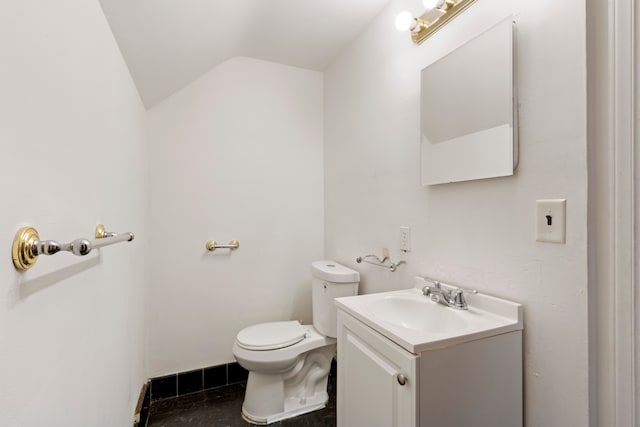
[271, 335]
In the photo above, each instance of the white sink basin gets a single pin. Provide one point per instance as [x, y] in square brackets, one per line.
[417, 324]
[420, 314]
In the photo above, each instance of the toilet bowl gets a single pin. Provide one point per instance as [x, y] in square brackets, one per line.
[288, 362]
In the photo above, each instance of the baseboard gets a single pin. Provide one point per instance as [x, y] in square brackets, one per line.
[141, 414]
[196, 380]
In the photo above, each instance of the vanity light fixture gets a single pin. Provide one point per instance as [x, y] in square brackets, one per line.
[439, 13]
[404, 22]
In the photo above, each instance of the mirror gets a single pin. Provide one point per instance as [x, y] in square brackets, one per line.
[468, 111]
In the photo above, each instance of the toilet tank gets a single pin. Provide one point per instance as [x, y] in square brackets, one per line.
[330, 280]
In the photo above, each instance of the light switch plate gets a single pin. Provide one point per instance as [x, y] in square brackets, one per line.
[551, 220]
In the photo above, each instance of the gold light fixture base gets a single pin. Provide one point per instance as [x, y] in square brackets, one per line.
[22, 249]
[450, 10]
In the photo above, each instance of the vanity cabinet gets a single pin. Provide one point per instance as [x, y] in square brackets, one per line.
[470, 384]
[371, 370]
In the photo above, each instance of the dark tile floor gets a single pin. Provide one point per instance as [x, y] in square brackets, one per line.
[220, 407]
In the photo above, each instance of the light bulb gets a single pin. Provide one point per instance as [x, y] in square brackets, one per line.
[432, 4]
[404, 21]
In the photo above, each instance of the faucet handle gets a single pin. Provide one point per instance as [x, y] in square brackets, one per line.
[428, 290]
[458, 297]
[434, 292]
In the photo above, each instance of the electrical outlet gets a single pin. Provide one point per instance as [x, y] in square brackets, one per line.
[551, 220]
[405, 239]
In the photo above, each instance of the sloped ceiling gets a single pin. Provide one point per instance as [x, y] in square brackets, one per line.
[169, 43]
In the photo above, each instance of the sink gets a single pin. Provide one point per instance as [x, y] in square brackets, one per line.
[418, 324]
[420, 314]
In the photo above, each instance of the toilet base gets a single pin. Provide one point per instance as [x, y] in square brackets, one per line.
[292, 408]
[274, 397]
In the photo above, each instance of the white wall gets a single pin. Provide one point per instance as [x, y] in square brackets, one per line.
[235, 155]
[478, 234]
[72, 155]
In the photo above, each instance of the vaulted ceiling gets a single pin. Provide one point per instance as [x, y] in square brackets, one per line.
[169, 43]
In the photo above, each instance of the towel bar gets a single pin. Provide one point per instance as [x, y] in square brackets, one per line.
[27, 245]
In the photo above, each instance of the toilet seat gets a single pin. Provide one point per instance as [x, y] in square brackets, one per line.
[283, 358]
[271, 335]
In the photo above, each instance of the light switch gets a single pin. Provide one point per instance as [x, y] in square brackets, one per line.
[551, 220]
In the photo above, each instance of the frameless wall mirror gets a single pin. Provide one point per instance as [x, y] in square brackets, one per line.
[468, 112]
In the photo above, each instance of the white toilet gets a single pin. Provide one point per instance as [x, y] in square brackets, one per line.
[289, 363]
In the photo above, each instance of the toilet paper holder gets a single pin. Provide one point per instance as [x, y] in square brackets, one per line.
[212, 245]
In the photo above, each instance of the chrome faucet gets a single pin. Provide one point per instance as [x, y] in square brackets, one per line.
[453, 298]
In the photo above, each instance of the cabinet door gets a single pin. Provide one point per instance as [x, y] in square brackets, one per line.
[370, 392]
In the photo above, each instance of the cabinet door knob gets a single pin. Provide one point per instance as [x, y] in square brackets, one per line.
[402, 380]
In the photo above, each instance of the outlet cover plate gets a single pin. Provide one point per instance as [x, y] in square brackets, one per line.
[405, 239]
[551, 220]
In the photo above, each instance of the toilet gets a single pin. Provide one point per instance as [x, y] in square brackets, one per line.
[288, 362]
